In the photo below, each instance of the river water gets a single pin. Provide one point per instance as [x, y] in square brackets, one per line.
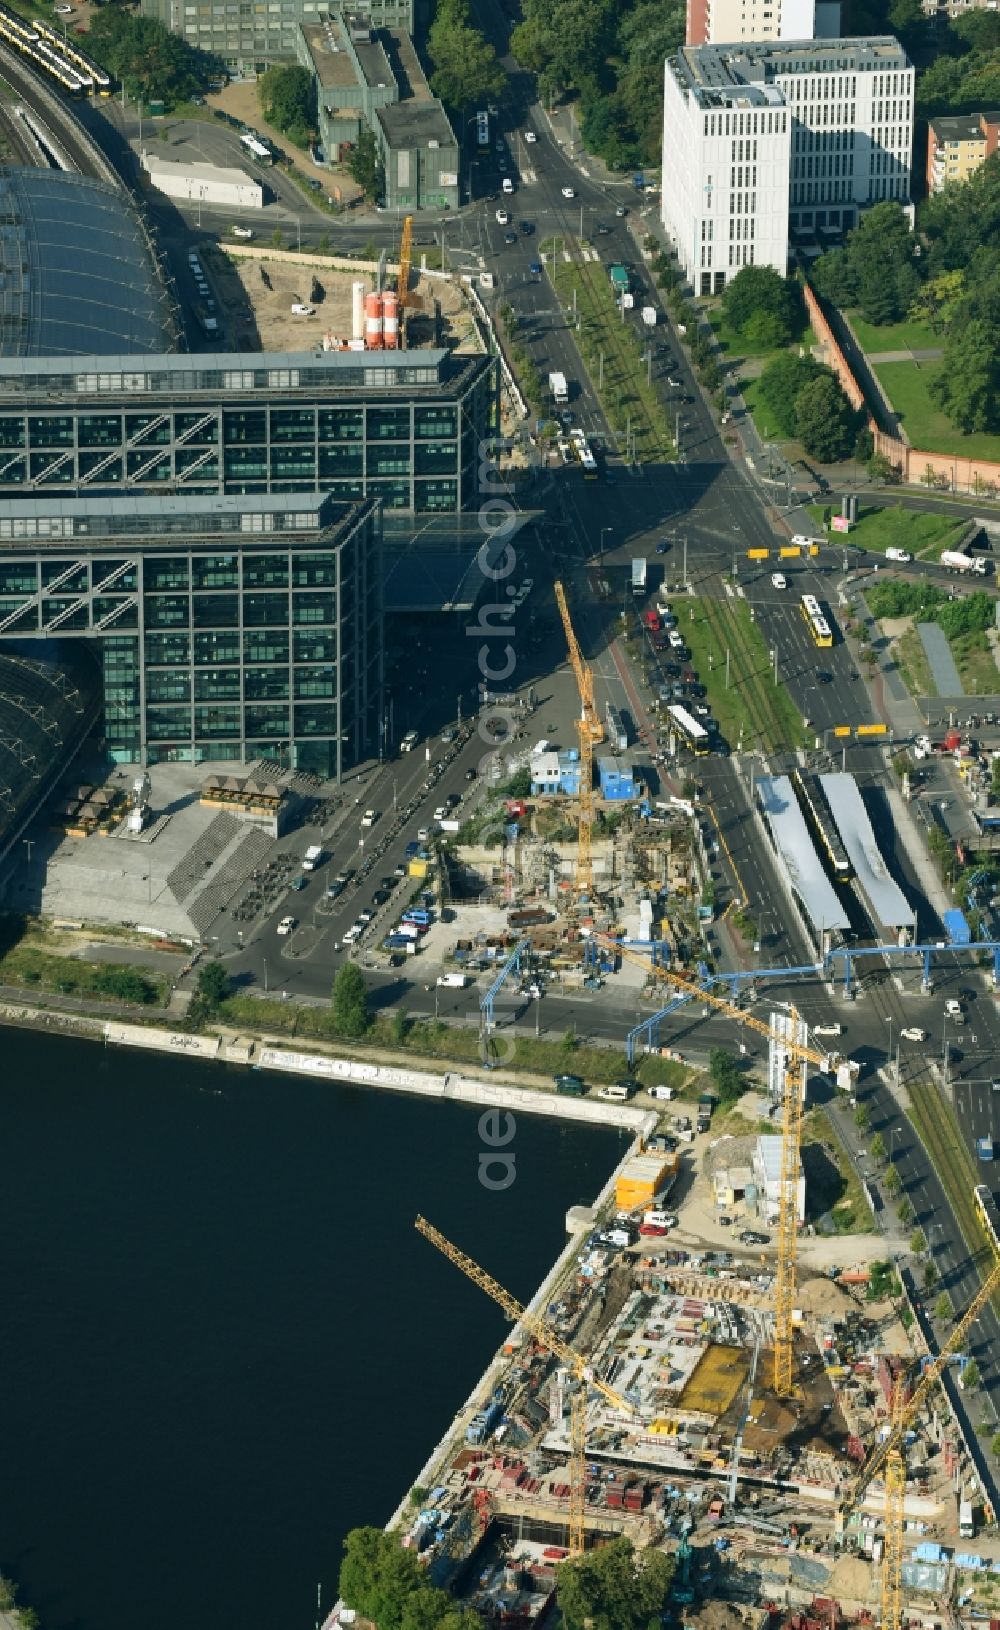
[222, 1343]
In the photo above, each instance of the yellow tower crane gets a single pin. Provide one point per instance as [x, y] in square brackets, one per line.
[405, 259]
[544, 1333]
[590, 731]
[791, 1142]
[887, 1458]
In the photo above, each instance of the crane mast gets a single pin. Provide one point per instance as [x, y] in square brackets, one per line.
[544, 1334]
[590, 730]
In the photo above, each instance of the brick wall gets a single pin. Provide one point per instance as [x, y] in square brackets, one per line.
[955, 472]
[833, 356]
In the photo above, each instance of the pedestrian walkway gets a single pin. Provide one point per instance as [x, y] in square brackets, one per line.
[933, 354]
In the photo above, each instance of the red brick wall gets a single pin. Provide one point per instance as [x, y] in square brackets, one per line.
[832, 354]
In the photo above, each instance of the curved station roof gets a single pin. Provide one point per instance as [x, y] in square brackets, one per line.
[77, 274]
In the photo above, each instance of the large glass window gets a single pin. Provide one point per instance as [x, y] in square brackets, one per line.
[55, 469]
[436, 457]
[217, 685]
[434, 422]
[245, 425]
[244, 463]
[55, 571]
[211, 722]
[292, 424]
[216, 611]
[165, 572]
[269, 646]
[316, 719]
[313, 608]
[214, 571]
[166, 611]
[265, 571]
[151, 468]
[137, 429]
[167, 685]
[99, 430]
[437, 495]
[12, 430]
[266, 685]
[341, 460]
[320, 681]
[388, 424]
[394, 494]
[314, 571]
[211, 648]
[315, 645]
[18, 577]
[196, 429]
[168, 723]
[267, 721]
[390, 460]
[51, 430]
[168, 648]
[339, 424]
[297, 462]
[265, 610]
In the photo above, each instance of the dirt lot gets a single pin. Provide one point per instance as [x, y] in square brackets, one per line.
[292, 283]
[239, 100]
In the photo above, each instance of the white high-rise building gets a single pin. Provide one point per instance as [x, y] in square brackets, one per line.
[761, 140]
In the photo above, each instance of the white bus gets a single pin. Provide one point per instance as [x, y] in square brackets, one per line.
[256, 148]
[691, 732]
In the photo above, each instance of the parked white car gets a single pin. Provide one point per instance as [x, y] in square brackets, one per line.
[285, 926]
[369, 817]
[300, 309]
[243, 232]
[901, 556]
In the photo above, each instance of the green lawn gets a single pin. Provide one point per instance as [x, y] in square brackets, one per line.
[750, 391]
[975, 663]
[899, 528]
[911, 659]
[734, 345]
[894, 336]
[752, 705]
[907, 385]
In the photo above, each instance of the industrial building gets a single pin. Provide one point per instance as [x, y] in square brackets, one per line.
[764, 140]
[405, 427]
[420, 155]
[250, 38]
[227, 628]
[958, 145]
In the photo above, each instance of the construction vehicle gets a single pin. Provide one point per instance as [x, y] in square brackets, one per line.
[590, 731]
[796, 1052]
[544, 1334]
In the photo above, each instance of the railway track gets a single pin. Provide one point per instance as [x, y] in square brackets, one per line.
[614, 342]
[935, 1125]
[731, 634]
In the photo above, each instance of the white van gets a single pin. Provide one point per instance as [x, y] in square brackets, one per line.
[453, 981]
[408, 742]
[615, 1095]
[662, 1092]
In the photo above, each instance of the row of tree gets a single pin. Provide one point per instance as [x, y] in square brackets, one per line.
[465, 66]
[607, 1589]
[150, 59]
[609, 54]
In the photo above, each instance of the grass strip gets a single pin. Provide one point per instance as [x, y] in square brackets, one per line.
[894, 527]
[934, 1122]
[752, 705]
[628, 400]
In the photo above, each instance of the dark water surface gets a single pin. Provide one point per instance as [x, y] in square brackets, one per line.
[222, 1344]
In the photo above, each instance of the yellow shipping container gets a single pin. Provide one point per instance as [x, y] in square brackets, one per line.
[639, 1179]
[418, 868]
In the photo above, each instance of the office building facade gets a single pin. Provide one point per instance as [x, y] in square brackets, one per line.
[249, 35]
[761, 141]
[401, 426]
[226, 628]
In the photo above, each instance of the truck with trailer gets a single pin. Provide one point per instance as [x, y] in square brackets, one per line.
[559, 389]
[968, 565]
[639, 576]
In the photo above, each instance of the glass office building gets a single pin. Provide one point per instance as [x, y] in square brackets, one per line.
[227, 628]
[404, 427]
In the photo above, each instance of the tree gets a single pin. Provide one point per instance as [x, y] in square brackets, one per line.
[365, 167]
[918, 1241]
[970, 1376]
[967, 384]
[465, 64]
[214, 984]
[760, 292]
[861, 1118]
[893, 1181]
[725, 1073]
[878, 1147]
[824, 420]
[350, 1002]
[780, 385]
[148, 58]
[286, 95]
[400, 1030]
[613, 1589]
[995, 1446]
[377, 1576]
[943, 1309]
[904, 1211]
[930, 1274]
